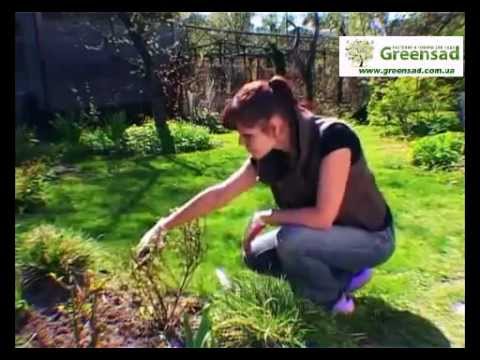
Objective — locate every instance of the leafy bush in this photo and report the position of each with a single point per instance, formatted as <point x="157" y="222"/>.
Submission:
<point x="188" y="137"/>
<point x="258" y="311"/>
<point x="143" y="139"/>
<point x="30" y="185"/>
<point x="427" y="123"/>
<point x="97" y="141"/>
<point x="439" y="151"/>
<point x="51" y="250"/>
<point x="412" y="107"/>
<point x="393" y="105"/>
<point x="25" y="141"/>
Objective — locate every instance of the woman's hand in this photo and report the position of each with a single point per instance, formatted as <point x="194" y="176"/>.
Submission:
<point x="257" y="223"/>
<point x="152" y="240"/>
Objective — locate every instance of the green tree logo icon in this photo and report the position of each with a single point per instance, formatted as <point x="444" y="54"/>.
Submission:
<point x="359" y="51"/>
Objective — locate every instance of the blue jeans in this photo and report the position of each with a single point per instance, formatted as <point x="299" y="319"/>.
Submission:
<point x="319" y="264"/>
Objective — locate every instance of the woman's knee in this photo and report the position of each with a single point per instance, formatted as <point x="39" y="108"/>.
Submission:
<point x="263" y="263"/>
<point x="288" y="245"/>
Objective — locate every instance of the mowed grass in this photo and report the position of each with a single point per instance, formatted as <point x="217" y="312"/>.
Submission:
<point x="408" y="303"/>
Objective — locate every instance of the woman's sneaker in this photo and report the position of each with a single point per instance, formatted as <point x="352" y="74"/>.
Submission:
<point x="360" y="279"/>
<point x="344" y="305"/>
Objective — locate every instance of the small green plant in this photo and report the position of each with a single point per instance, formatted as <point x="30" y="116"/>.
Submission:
<point x="97" y="141"/>
<point x="163" y="279"/>
<point x="67" y="258"/>
<point x="202" y="337"/>
<point x="441" y="151"/>
<point x="48" y="250"/>
<point x="258" y="312"/>
<point x="30" y="186"/>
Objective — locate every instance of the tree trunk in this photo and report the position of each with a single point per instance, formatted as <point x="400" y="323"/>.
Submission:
<point x="160" y="115"/>
<point x="339" y="90"/>
<point x="309" y="77"/>
<point x="278" y="59"/>
<point x="342" y="31"/>
<point x="157" y="94"/>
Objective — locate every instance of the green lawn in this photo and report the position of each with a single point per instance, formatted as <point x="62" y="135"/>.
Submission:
<point x="411" y="296"/>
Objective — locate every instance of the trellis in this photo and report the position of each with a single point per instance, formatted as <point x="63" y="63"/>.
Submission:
<point x="224" y="62"/>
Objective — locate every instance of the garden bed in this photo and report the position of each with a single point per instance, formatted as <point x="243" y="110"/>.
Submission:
<point x="118" y="319"/>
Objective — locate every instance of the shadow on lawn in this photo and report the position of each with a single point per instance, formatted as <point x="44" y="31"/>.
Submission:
<point x="133" y="195"/>
<point x="149" y="176"/>
<point x="191" y="166"/>
<point x="220" y="170"/>
<point x="381" y="325"/>
<point x="134" y="184"/>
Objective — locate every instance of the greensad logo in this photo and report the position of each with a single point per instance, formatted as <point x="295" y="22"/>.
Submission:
<point x="424" y="53"/>
<point x="359" y="52"/>
<point x="395" y="56"/>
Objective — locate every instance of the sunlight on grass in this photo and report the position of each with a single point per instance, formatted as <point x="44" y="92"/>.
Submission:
<point x="117" y="206"/>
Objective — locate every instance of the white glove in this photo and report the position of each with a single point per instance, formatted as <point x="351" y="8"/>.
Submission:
<point x="152" y="240"/>
<point x="255" y="226"/>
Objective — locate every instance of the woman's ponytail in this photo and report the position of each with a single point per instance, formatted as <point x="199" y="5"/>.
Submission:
<point x="282" y="90"/>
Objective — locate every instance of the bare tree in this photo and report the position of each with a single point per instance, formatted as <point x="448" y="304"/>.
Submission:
<point x="139" y="27"/>
<point x="306" y="65"/>
<point x="147" y="33"/>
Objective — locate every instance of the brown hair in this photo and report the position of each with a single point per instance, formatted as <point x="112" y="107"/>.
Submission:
<point x="257" y="101"/>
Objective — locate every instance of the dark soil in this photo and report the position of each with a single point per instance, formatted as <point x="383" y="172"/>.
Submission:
<point x="118" y="321"/>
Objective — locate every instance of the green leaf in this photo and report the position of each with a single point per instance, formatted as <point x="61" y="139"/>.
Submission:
<point x="203" y="331"/>
<point x="189" y="342"/>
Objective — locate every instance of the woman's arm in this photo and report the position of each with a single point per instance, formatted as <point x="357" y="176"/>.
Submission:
<point x="213" y="197"/>
<point x="334" y="171"/>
